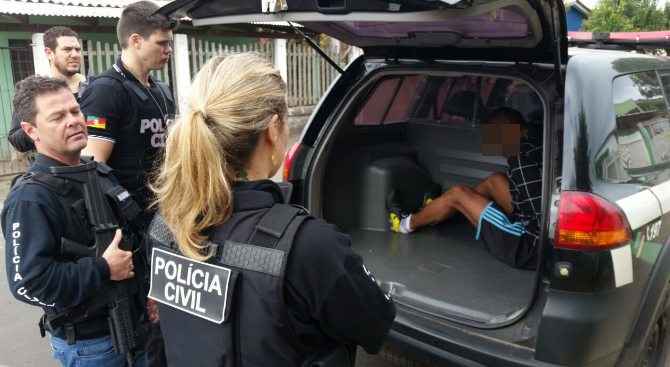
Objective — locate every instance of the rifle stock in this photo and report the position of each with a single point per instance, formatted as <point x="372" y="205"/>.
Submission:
<point x="122" y="317"/>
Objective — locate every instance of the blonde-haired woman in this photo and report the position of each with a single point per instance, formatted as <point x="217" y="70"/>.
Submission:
<point x="240" y="279"/>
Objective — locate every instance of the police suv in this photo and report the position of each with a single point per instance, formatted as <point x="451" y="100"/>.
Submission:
<point x="409" y="112"/>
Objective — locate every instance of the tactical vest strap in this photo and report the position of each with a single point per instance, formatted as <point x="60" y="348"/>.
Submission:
<point x="254" y="258"/>
<point x="44" y="179"/>
<point x="100" y="166"/>
<point x="229" y="253"/>
<point x="160" y="231"/>
<point x="259" y="255"/>
<point x="272" y="225"/>
<point x="104" y="168"/>
<point x="130" y="86"/>
<point x="166" y="90"/>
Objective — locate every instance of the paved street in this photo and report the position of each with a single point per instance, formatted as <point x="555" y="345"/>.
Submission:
<point x="21" y="343"/>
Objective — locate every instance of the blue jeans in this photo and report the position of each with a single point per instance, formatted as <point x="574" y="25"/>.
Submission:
<point x="97" y="352"/>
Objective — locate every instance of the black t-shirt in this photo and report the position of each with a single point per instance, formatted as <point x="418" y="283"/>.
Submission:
<point x="135" y="126"/>
<point x="18" y="138"/>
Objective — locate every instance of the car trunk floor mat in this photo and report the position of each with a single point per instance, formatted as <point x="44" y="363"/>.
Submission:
<point x="444" y="269"/>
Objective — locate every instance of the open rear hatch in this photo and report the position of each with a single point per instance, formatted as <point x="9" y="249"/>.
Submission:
<point x="492" y="30"/>
<point x="532" y="31"/>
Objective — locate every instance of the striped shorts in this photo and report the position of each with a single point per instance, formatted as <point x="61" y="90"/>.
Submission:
<point x="505" y="240"/>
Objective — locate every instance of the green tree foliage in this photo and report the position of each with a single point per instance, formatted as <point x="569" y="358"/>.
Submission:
<point x="628" y="16"/>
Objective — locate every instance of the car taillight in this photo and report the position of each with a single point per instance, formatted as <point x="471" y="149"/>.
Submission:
<point x="288" y="160"/>
<point x="589" y="222"/>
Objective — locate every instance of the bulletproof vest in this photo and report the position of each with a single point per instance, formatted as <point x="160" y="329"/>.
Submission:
<point x="137" y="93"/>
<point x="252" y="328"/>
<point x="147" y="123"/>
<point x="79" y="230"/>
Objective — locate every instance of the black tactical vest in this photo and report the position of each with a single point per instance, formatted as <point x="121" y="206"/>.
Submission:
<point x="256" y="330"/>
<point x="84" y="318"/>
<point x="72" y="201"/>
<point x="147" y="135"/>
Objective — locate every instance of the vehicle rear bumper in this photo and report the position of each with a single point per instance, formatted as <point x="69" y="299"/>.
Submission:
<point x="580" y="328"/>
<point x="443" y="343"/>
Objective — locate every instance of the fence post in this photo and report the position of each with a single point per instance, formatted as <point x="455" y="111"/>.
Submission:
<point x="40" y="60"/>
<point x="279" y="57"/>
<point x="334" y="49"/>
<point x="182" y="71"/>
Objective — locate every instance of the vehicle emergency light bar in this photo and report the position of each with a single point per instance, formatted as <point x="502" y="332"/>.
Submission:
<point x="620" y="40"/>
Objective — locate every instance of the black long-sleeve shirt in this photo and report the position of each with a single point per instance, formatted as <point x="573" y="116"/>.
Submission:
<point x="327" y="282"/>
<point x="33" y="223"/>
<point x="329" y="293"/>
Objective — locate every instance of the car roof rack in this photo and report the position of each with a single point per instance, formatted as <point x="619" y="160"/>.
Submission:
<point x="620" y="40"/>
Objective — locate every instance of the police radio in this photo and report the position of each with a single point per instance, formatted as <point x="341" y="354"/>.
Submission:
<point x="122" y="317"/>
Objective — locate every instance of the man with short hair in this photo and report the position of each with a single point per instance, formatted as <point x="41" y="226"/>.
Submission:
<point x="126" y="109"/>
<point x="127" y="113"/>
<point x="62" y="48"/>
<point x="42" y="210"/>
<point x="505" y="208"/>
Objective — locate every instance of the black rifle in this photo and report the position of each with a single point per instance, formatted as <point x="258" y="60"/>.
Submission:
<point x="122" y="317"/>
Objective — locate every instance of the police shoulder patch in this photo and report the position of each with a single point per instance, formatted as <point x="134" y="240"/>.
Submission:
<point x="195" y="287"/>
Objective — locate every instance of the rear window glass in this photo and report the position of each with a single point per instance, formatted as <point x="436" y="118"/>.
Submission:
<point x="389" y="101"/>
<point x="642" y="126"/>
<point x="453" y="99"/>
<point x="464" y="100"/>
<point x="407" y="94"/>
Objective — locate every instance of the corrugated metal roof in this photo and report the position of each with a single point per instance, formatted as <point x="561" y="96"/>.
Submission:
<point x="68" y="8"/>
<point x="103" y="3"/>
<point x="82" y="8"/>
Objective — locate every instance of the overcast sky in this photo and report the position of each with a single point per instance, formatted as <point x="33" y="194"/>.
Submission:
<point x="590" y="3"/>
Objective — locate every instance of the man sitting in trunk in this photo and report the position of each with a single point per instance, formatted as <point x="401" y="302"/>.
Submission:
<point x="505" y="209"/>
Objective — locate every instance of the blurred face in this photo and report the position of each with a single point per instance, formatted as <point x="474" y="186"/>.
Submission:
<point x="154" y="52"/>
<point x="60" y="129"/>
<point x="66" y="58"/>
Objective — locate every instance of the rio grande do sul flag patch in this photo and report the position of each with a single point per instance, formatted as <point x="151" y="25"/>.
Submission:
<point x="96" y="122"/>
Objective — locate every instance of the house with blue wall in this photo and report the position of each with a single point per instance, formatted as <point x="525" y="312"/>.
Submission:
<point x="576" y="15"/>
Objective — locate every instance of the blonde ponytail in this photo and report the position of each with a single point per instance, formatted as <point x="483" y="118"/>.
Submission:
<point x="233" y="99"/>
